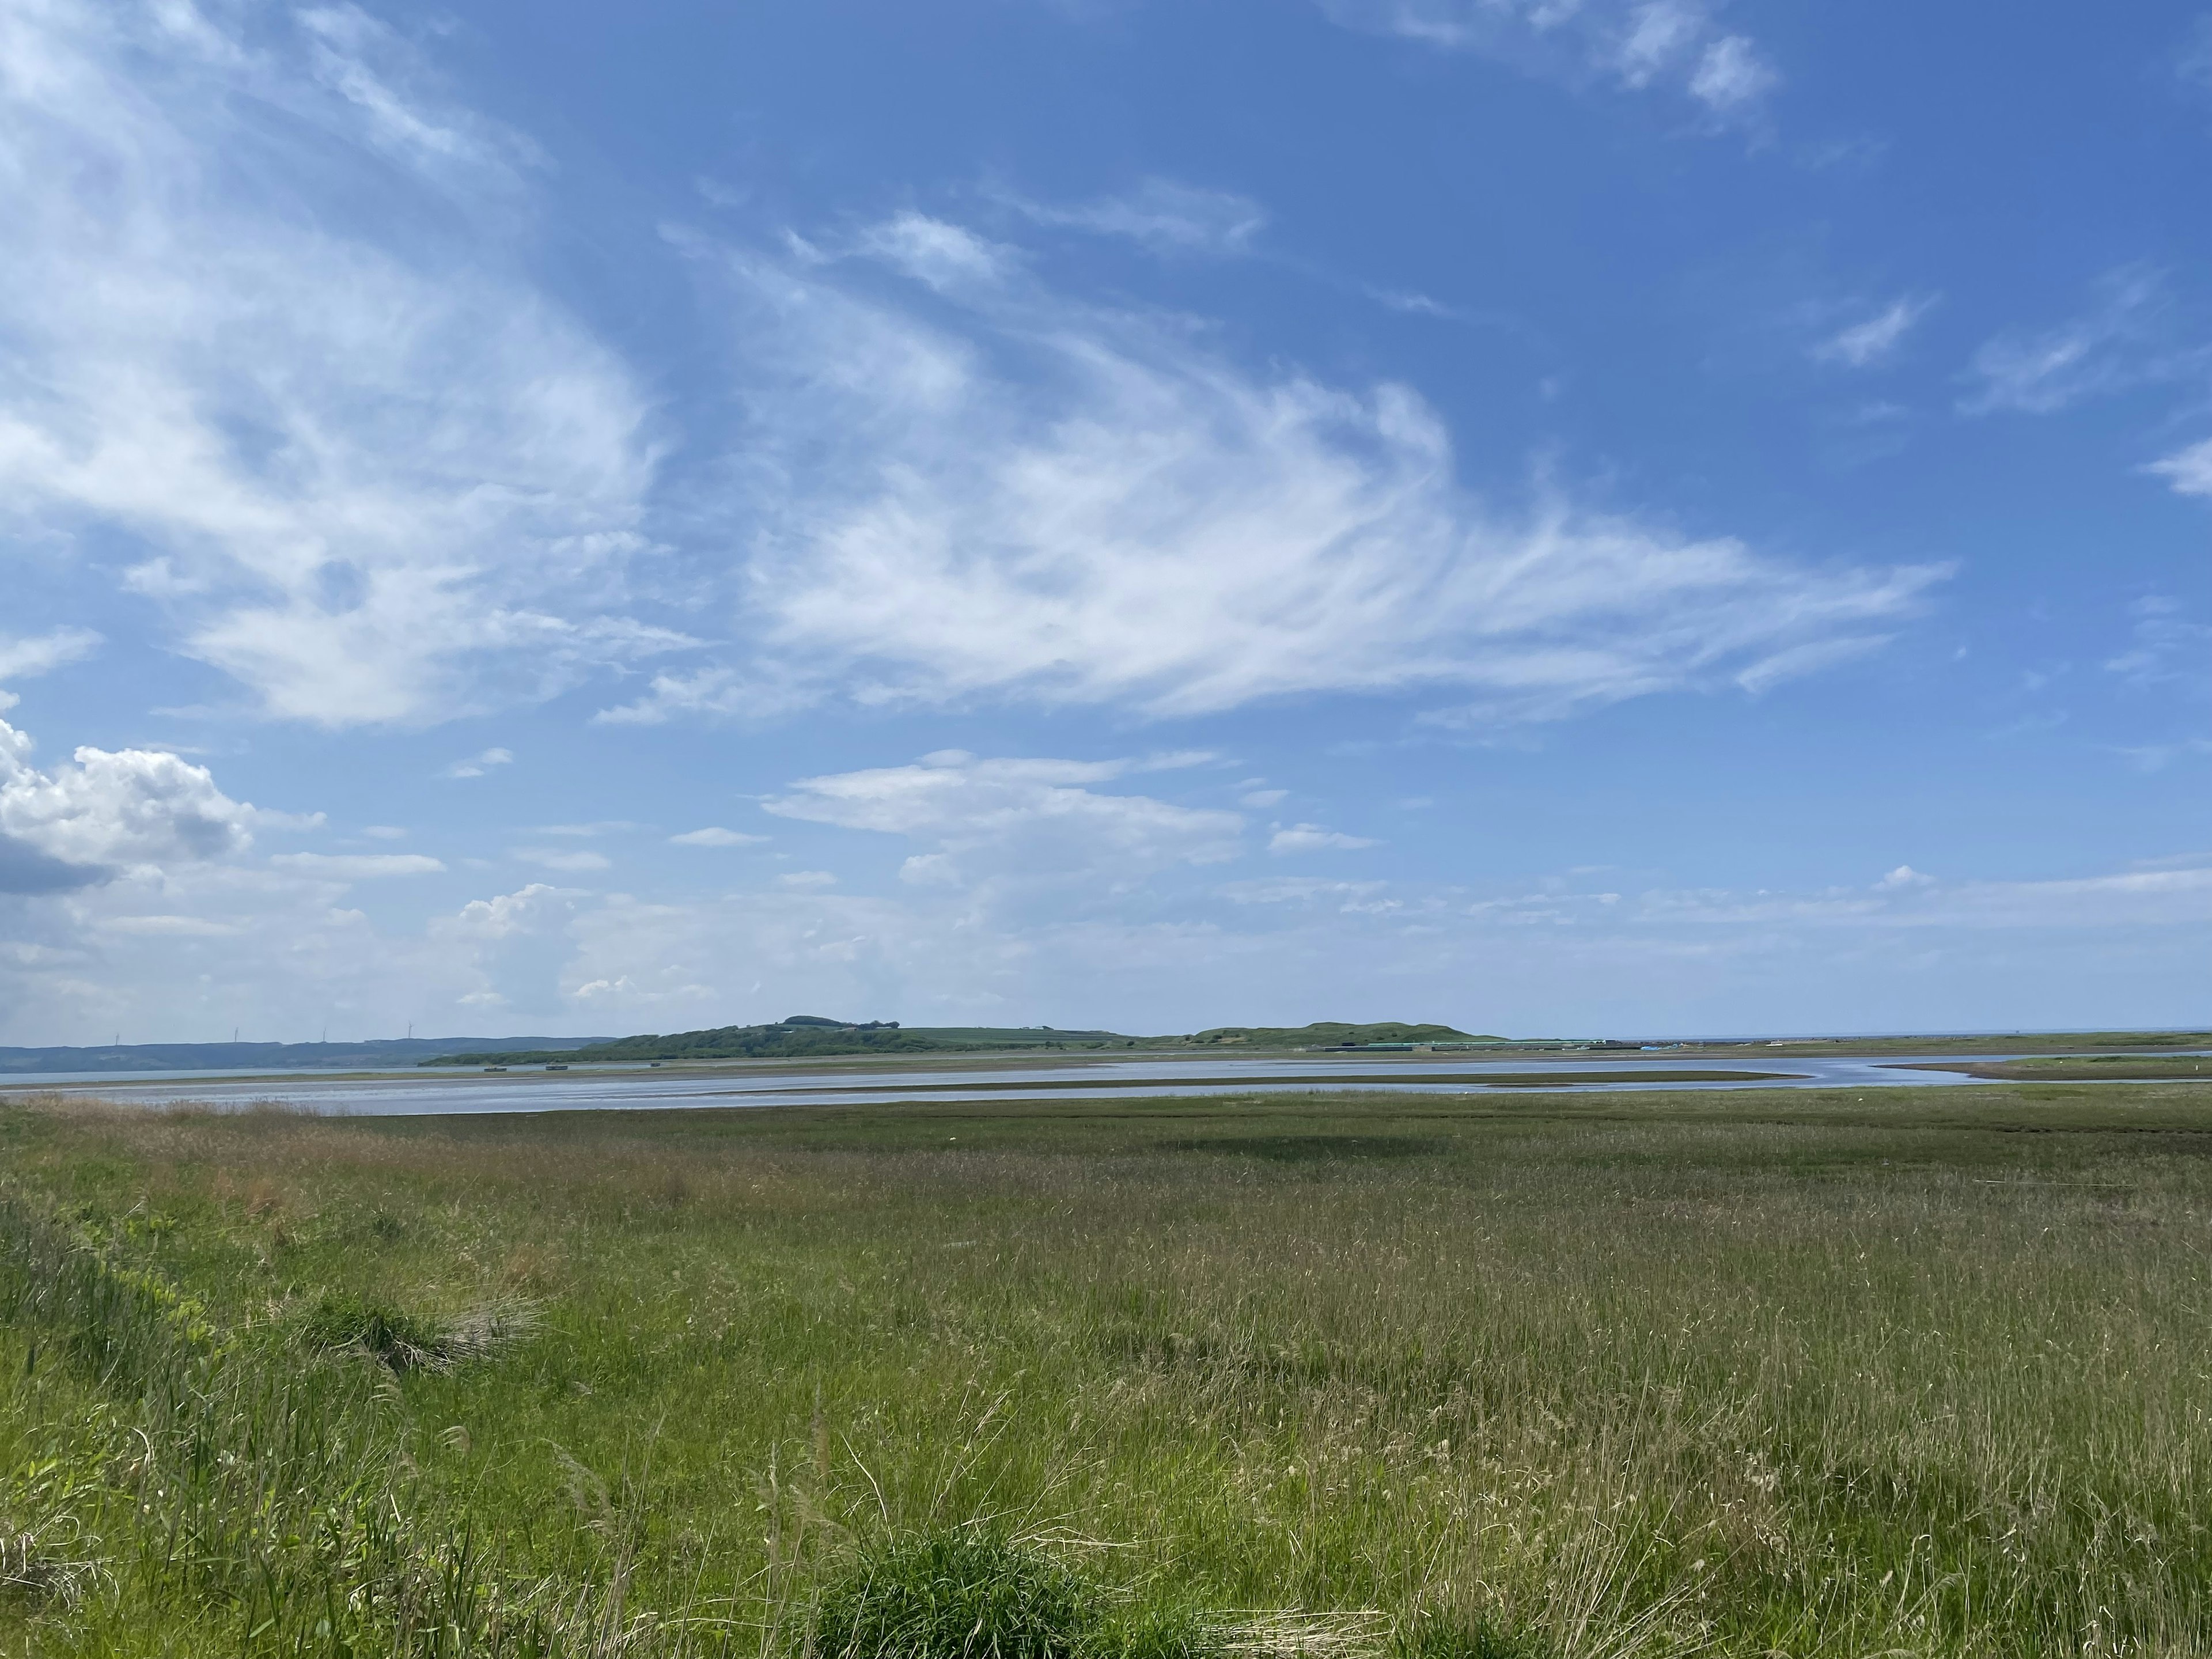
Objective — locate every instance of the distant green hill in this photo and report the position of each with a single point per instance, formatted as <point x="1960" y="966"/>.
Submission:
<point x="1334" y="1034"/>
<point x="267" y="1056"/>
<point x="807" y="1035"/>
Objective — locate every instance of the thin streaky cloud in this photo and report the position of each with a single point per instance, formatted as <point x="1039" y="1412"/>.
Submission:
<point x="2112" y="345"/>
<point x="1020" y="819"/>
<point x="1636" y="44"/>
<point x="2166" y="650"/>
<point x="1164" y="215"/>
<point x="1797" y="662"/>
<point x="357" y="459"/>
<point x="2186" y="472"/>
<point x="25" y="657"/>
<point x="476" y="765"/>
<point x="1314" y="838"/>
<point x="1413" y="304"/>
<point x="570" y="860"/>
<point x="1876" y="339"/>
<point x="715" y="836"/>
<point x="1128" y="518"/>
<point x="357" y="866"/>
<point x="2193" y="62"/>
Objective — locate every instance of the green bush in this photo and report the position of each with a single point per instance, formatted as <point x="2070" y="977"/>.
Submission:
<point x="954" y="1595"/>
<point x="967" y="1594"/>
<point x="343" y="1319"/>
<point x="1479" y="1636"/>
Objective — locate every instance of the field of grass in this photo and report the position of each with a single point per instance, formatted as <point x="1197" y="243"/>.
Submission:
<point x="2088" y="1068"/>
<point x="1912" y="1371"/>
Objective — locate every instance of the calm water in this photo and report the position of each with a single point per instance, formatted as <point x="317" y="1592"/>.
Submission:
<point x="583" y="1089"/>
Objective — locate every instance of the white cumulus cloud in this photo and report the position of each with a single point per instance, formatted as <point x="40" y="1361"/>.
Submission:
<point x="511" y="949"/>
<point x="130" y="806"/>
<point x="1904" y="875"/>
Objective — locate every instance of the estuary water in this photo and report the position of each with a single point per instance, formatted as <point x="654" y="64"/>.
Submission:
<point x="599" y="1088"/>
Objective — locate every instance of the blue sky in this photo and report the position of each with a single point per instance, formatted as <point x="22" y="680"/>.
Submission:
<point x="1579" y="518"/>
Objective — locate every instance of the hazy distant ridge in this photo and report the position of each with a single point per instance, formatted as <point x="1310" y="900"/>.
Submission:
<point x="258" y="1056"/>
<point x="806" y="1035"/>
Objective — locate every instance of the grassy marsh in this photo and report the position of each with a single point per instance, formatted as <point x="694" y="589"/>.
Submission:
<point x="2086" y="1068"/>
<point x="1738" y="1373"/>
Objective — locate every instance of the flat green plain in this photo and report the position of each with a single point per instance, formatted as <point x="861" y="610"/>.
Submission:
<point x="1905" y="1370"/>
<point x="2084" y="1069"/>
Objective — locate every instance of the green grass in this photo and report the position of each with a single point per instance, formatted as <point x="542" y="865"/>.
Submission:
<point x="2087" y="1068"/>
<point x="1524" y="1376"/>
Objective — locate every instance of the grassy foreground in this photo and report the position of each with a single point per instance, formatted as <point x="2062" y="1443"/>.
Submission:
<point x="1918" y="1372"/>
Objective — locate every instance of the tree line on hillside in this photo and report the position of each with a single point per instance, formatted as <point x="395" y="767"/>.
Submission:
<point x="806" y="1036"/>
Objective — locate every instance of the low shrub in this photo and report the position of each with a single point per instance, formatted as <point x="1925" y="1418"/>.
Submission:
<point x="1477" y="1636"/>
<point x="965" y="1593"/>
<point x="956" y="1594"/>
<point x="338" y="1320"/>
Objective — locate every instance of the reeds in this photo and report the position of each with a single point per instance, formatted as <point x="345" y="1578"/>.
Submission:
<point x="1730" y="1376"/>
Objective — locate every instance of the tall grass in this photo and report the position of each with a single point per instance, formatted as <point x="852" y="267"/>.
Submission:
<point x="260" y="1497"/>
<point x="1730" y="1374"/>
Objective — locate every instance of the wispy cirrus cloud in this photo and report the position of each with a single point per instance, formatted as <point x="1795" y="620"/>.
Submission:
<point x="1679" y="46"/>
<point x="272" y="334"/>
<point x="376" y="475"/>
<point x="1314" y="838"/>
<point x="982" y="819"/>
<point x="1017" y="494"/>
<point x="24" y="656"/>
<point x="1164" y="215"/>
<point x="2186" y="472"/>
<point x="2167" y="650"/>
<point x="1873" y="340"/>
<point x="357" y="866"/>
<point x="2192" y="61"/>
<point x="2116" y="342"/>
<point x="570" y="860"/>
<point x="715" y="836"/>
